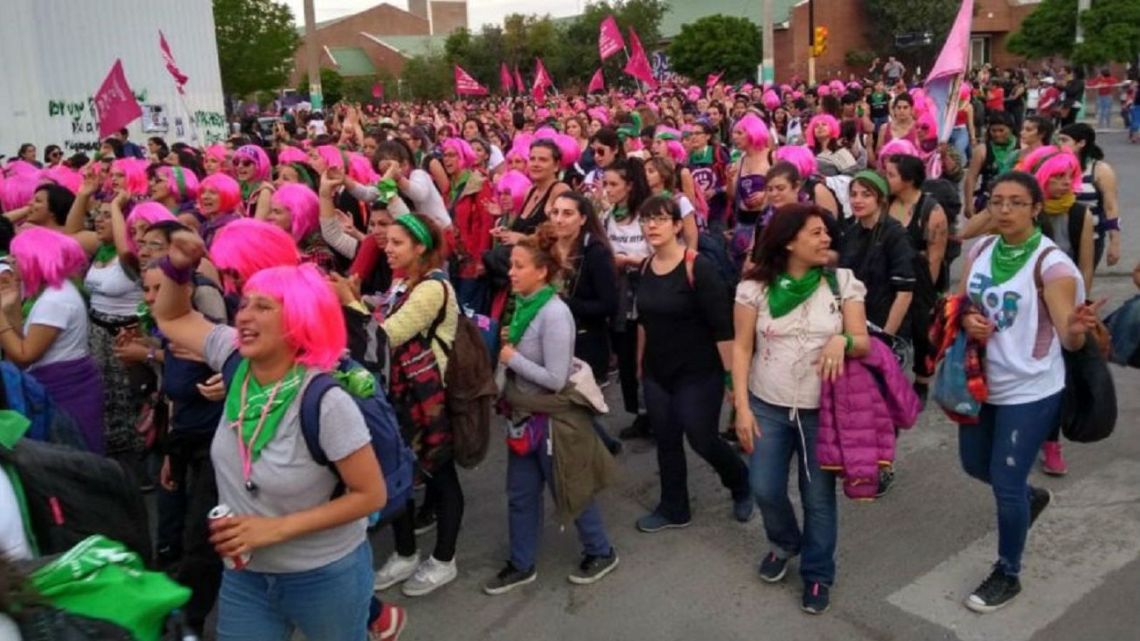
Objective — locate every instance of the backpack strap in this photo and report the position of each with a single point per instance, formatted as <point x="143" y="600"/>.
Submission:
<point x="434" y="328"/>
<point x="690" y="260"/>
<point x="311" y="416"/>
<point x="230" y="367"/>
<point x="1038" y="280"/>
<point x="1077" y="229"/>
<point x="832" y="279"/>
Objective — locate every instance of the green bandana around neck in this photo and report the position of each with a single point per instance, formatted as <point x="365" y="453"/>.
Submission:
<point x="619" y="213"/>
<point x="702" y="157"/>
<point x="1007" y="260"/>
<point x="256" y="404"/>
<point x="458" y="185"/>
<point x="105" y="254"/>
<point x="247" y="189"/>
<point x="526" y="308"/>
<point x="1004" y="155"/>
<point x="787" y="293"/>
<point x="388" y="189"/>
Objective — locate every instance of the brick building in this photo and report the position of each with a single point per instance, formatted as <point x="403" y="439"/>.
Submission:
<point x="994" y="21"/>
<point x="382" y="37"/>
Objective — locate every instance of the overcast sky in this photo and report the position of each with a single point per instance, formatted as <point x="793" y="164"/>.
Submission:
<point x="478" y="11"/>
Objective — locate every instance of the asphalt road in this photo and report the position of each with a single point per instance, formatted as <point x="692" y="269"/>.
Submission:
<point x="905" y="562"/>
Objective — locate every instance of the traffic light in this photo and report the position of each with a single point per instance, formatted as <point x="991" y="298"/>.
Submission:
<point x="820" y="45"/>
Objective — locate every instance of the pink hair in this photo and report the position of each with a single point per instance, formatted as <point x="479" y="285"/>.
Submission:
<point x="823" y="90"/>
<point x="228" y="190"/>
<point x="149" y="212"/>
<point x="827" y="119"/>
<point x="17" y="191"/>
<point x="290" y="154"/>
<point x="676" y="151"/>
<point x="897" y="147"/>
<point x="836" y="86"/>
<point x="693" y="93"/>
<point x="248" y="246"/>
<point x="303" y="208"/>
<point x="134" y="170"/>
<point x="360" y="169"/>
<point x="261" y="165"/>
<point x="964" y="91"/>
<point x="755" y="131"/>
<point x="220" y="153"/>
<point x="1047" y="162"/>
<point x="518" y="184"/>
<point x="771" y="100"/>
<point x="310" y="312"/>
<point x="332" y="155"/>
<point x="599" y="114"/>
<point x="21" y="168"/>
<point x="545" y="133"/>
<point x="186" y="189"/>
<point x="46" y="258"/>
<point x="569" y="148"/>
<point x="800" y="156"/>
<point x="462" y="149"/>
<point x="63" y="176"/>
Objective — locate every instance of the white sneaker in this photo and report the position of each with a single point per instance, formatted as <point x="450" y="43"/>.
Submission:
<point x="429" y="576"/>
<point x="396" y="569"/>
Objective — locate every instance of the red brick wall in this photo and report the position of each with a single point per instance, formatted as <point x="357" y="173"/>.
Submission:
<point x="845" y="24"/>
<point x="381" y="19"/>
<point x="448" y="16"/>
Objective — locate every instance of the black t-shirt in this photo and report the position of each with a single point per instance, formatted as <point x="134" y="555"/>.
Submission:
<point x="683" y="322"/>
<point x="882" y="259"/>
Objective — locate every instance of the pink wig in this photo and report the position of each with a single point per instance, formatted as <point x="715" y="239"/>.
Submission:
<point x="517" y="184"/>
<point x="302" y="205"/>
<point x="771" y="100"/>
<point x="63" y="176"/>
<point x="965" y="91"/>
<point x="897" y="147"/>
<point x="755" y="131"/>
<point x="310" y="312"/>
<point x="46" y="258"/>
<point x="545" y="133"/>
<point x="360" y="169"/>
<point x="599" y="114"/>
<point x="1047" y="162"/>
<point x="248" y="245"/>
<point x="218" y="152"/>
<point x="149" y="212"/>
<point x="569" y="148"/>
<point x="260" y="159"/>
<point x="800" y="156"/>
<point x="17" y="191"/>
<point x="926" y="121"/>
<point x="836" y="86"/>
<point x="332" y="156"/>
<point x="823" y="90"/>
<point x="827" y="119"/>
<point x="693" y="93"/>
<point x="290" y="154"/>
<point x="21" y="168"/>
<point x="228" y="190"/>
<point x="134" y="170"/>
<point x="463" y="150"/>
<point x="183" y="183"/>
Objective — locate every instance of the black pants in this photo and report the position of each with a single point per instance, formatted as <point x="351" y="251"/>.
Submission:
<point x="689" y="408"/>
<point x="625" y="346"/>
<point x="447" y="498"/>
<point x="201" y="569"/>
<point x="593" y="346"/>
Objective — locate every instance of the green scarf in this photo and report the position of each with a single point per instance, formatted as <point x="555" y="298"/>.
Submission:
<point x="458" y="184"/>
<point x="787" y="293"/>
<point x="1006" y="260"/>
<point x="255" y="404"/>
<point x="619" y="213"/>
<point x="247" y="189"/>
<point x="702" y="157"/>
<point x="146" y="319"/>
<point x="1004" y="155"/>
<point x="526" y="308"/>
<point x="105" y="254"/>
<point x="388" y="190"/>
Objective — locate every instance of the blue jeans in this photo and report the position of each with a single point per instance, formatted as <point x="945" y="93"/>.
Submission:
<point x="1000" y="451"/>
<point x="526" y="476"/>
<point x="960" y="140"/>
<point x="1104" y="111"/>
<point x="330" y="603"/>
<point x="768" y="475"/>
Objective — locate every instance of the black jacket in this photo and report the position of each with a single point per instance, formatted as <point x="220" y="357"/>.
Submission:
<point x="882" y="258"/>
<point x="591" y="289"/>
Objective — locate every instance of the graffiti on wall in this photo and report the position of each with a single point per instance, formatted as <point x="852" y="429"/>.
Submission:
<point x="81" y="131"/>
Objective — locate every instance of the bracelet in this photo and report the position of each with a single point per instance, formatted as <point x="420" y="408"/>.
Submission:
<point x="848" y="342"/>
<point x="728" y="380"/>
<point x="180" y="275"/>
<point x="1110" y="224"/>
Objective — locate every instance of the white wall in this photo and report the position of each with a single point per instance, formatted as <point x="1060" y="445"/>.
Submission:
<point x="54" y="54"/>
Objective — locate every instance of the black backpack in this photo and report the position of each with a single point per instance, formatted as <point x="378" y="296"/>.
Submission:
<point x="944" y="193"/>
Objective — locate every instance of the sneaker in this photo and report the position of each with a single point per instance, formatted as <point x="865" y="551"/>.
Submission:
<point x="389" y="625"/>
<point x="817" y="598"/>
<point x="425" y="521"/>
<point x="773" y="568"/>
<point x="639" y="429"/>
<point x="886" y="480"/>
<point x="431" y="575"/>
<point x="593" y="568"/>
<point x="508" y="579"/>
<point x="743" y="508"/>
<point x="995" y="592"/>
<point x="1039" y="499"/>
<point x="395" y="570"/>
<point x="654" y="522"/>
<point x="1053" y="462"/>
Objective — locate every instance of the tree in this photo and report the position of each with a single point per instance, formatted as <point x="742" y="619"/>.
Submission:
<point x="1116" y="28"/>
<point x="332" y="86"/>
<point x="890" y="18"/>
<point x="1049" y="31"/>
<point x="428" y="77"/>
<point x="716" y="43"/>
<point x="256" y="42"/>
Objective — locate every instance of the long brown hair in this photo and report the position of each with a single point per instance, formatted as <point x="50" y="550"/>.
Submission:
<point x="542" y="247"/>
<point x="770" y="255"/>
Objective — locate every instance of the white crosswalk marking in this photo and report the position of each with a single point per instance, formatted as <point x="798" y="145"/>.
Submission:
<point x="1091" y="530"/>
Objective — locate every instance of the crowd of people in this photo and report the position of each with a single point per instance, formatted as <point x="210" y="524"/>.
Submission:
<point x="798" y="239"/>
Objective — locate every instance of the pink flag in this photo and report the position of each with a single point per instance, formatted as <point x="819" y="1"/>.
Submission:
<point x="168" y="57"/>
<point x="115" y="102"/>
<point x="378" y="91"/>
<point x="638" y="64"/>
<point x="949" y="70"/>
<point x="609" y="38"/>
<point x="519" y="84"/>
<point x="713" y="79"/>
<point x="465" y="85"/>
<point x="597" y="83"/>
<point x="541" y="81"/>
<point x="506" y="83"/>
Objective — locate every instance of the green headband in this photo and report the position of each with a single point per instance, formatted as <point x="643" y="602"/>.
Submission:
<point x="303" y="174"/>
<point x="417" y="229"/>
<point x="180" y="179"/>
<point x="875" y="179"/>
<point x="628" y="131"/>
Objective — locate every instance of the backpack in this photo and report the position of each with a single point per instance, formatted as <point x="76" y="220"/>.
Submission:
<point x="22" y="393"/>
<point x="942" y="192"/>
<point x="68" y="495"/>
<point x="712" y="246"/>
<point x="397" y="461"/>
<point x="470" y="390"/>
<point x="809" y="188"/>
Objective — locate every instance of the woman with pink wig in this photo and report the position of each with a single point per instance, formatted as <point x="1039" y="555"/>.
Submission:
<point x="247" y="246"/>
<point x="128" y="234"/>
<point x="823" y="139"/>
<point x="129" y="175"/>
<point x="286" y="338"/>
<point x="219" y="203"/>
<point x="50" y="339"/>
<point x="252" y="169"/>
<point x="175" y="188"/>
<point x="745" y="183"/>
<point x="814" y="187"/>
<point x="217" y="160"/>
<point x="294" y="208"/>
<point x="470" y="193"/>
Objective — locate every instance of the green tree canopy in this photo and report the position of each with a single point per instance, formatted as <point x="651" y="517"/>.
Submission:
<point x="428" y="77"/>
<point x="256" y="42"/>
<point x="716" y="43"/>
<point x="1048" y="31"/>
<point x="1111" y="28"/>
<point x="889" y="18"/>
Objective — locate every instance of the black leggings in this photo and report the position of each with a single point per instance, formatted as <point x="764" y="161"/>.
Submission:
<point x="625" y="346"/>
<point x="447" y="498"/>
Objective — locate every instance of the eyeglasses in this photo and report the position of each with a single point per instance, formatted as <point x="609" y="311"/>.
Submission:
<point x="245" y="163"/>
<point x="153" y="246"/>
<point x="55" y="154"/>
<point x="653" y="221"/>
<point x="1012" y="205"/>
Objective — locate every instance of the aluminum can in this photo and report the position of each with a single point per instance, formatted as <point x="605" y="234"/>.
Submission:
<point x="223" y="511"/>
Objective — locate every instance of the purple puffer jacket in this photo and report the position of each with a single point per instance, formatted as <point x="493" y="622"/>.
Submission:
<point x="858" y="414"/>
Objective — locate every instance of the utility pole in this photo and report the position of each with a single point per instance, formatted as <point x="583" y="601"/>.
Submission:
<point x="1082" y="6"/>
<point x="811" y="42"/>
<point x="312" y="56"/>
<point x="768" y="57"/>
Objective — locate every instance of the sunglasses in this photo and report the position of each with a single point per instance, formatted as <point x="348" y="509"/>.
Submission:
<point x="245" y="163"/>
<point x="55" y="154"/>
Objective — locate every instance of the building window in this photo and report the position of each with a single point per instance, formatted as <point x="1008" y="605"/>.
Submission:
<point x="979" y="50"/>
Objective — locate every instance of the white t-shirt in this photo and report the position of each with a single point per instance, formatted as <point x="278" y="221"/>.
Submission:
<point x="13" y="542"/>
<point x="426" y="199"/>
<point x="112" y="290"/>
<point x="494" y="158"/>
<point x="62" y="308"/>
<point x="685" y="205"/>
<point x="1023" y="357"/>
<point x="627" y="239"/>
